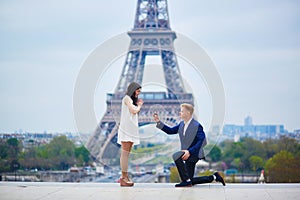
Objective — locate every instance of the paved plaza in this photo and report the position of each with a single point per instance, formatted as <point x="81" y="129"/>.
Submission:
<point x="144" y="191"/>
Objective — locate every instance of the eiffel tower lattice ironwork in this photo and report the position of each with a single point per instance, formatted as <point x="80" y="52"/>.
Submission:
<point x="151" y="35"/>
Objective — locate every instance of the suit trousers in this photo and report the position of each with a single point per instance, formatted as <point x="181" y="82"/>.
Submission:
<point x="186" y="169"/>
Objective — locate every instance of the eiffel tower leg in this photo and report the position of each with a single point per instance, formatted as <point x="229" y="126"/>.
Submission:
<point x="172" y="73"/>
<point x="111" y="139"/>
<point x="132" y="70"/>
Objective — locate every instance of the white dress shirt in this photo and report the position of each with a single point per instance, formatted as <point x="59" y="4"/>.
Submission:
<point x="186" y="126"/>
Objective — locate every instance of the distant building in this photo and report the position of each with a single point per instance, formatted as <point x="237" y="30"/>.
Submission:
<point x="259" y="132"/>
<point x="295" y="135"/>
<point x="248" y="121"/>
<point x="36" y="139"/>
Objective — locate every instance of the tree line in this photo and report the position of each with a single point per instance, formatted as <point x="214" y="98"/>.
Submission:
<point x="59" y="154"/>
<point x="280" y="158"/>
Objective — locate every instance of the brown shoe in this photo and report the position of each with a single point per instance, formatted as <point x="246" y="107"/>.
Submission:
<point x="125" y="182"/>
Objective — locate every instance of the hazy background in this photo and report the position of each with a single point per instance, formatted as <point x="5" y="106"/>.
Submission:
<point x="255" y="46"/>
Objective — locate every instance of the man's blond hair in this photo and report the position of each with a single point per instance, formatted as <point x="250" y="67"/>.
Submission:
<point x="188" y="107"/>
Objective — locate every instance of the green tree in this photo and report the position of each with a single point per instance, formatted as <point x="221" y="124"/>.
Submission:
<point x="82" y="154"/>
<point x="252" y="148"/>
<point x="215" y="154"/>
<point x="4" y="164"/>
<point x="9" y="152"/>
<point x="256" y="162"/>
<point x="283" y="167"/>
<point x="233" y="152"/>
<point x="237" y="163"/>
<point x="271" y="148"/>
<point x="62" y="152"/>
<point x="13" y="148"/>
<point x="28" y="159"/>
<point x="289" y="144"/>
<point x="36" y="157"/>
<point x="3" y="149"/>
<point x="274" y="146"/>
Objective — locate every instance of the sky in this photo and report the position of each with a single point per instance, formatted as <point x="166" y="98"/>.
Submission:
<point x="255" y="46"/>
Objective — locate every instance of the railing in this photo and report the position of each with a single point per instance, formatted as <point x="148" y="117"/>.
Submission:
<point x="154" y="96"/>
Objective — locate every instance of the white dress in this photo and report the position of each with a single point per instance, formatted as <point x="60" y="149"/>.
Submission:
<point x="129" y="128"/>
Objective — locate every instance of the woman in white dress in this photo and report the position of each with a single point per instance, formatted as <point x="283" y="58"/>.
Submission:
<point x="128" y="133"/>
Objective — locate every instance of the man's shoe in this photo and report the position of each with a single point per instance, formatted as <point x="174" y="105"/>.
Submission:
<point x="219" y="178"/>
<point x="184" y="184"/>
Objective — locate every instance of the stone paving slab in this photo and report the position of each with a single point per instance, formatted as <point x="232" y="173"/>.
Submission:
<point x="144" y="191"/>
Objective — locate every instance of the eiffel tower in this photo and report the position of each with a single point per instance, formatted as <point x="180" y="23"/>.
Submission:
<point x="153" y="36"/>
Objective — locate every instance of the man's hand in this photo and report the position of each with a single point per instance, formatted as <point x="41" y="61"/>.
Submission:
<point x="186" y="154"/>
<point x="155" y="117"/>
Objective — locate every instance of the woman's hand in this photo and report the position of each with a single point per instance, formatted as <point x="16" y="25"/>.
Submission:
<point x="140" y="102"/>
<point x="155" y="117"/>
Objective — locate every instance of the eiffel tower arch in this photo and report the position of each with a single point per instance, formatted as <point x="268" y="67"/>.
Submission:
<point x="150" y="36"/>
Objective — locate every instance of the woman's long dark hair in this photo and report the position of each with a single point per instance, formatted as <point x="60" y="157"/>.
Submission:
<point x="134" y="99"/>
<point x="131" y="91"/>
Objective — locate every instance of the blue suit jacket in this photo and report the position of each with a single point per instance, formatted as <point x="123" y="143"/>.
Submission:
<point x="194" y="139"/>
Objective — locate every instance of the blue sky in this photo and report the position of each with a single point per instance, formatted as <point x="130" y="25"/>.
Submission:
<point x="255" y="46"/>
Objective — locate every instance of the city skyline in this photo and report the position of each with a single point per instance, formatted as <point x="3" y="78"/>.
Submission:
<point x="255" y="47"/>
<point x="246" y="121"/>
